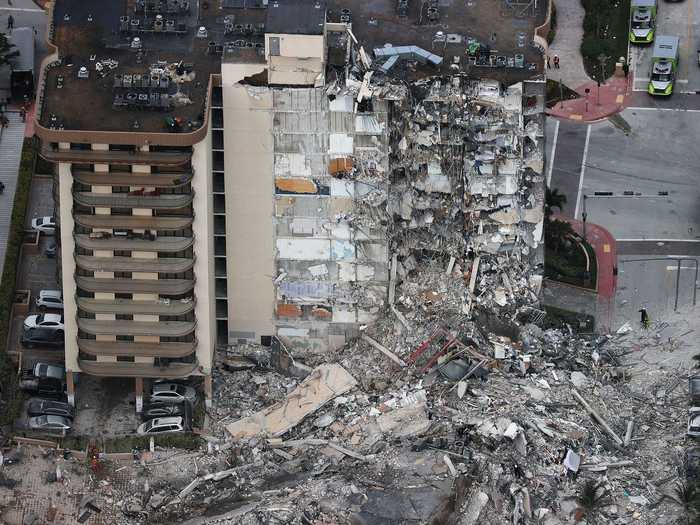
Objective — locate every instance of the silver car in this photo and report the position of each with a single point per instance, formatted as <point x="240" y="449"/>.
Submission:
<point x="52" y="299"/>
<point x="173" y="393"/>
<point x="51" y="424"/>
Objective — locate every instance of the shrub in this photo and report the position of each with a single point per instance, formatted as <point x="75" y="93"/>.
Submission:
<point x="552" y="25"/>
<point x="12" y="396"/>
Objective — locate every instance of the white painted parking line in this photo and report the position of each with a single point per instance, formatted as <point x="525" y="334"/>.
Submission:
<point x="554" y="152"/>
<point x="657" y="240"/>
<point x="583" y="170"/>
<point x="662" y="109"/>
<point x="674" y="268"/>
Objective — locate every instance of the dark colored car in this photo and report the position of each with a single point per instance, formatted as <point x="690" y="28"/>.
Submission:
<point x="46" y="407"/>
<point x="44" y="387"/>
<point x="51" y="250"/>
<point x="165" y="409"/>
<point x="42" y="337"/>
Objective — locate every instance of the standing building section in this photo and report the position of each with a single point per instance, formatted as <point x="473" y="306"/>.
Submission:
<point x="122" y="112"/>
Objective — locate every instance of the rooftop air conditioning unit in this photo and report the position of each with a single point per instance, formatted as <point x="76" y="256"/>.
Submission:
<point x="83" y="72"/>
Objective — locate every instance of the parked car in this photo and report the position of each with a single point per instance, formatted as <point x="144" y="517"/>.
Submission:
<point x="45" y="225"/>
<point x="44" y="387"/>
<point x="50" y="423"/>
<point x="52" y="299"/>
<point x="173" y="393"/>
<point x="50" y="250"/>
<point x="692" y="463"/>
<point x="166" y="409"/>
<point x="694" y="422"/>
<point x="46" y="407"/>
<point x="694" y="388"/>
<point x="52" y="321"/>
<point x="49" y="370"/>
<point x="161" y="425"/>
<point x="42" y="337"/>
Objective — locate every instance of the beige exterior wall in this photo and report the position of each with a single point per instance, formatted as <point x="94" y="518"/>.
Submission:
<point x="248" y="143"/>
<point x="301" y="59"/>
<point x="70" y="309"/>
<point x="203" y="228"/>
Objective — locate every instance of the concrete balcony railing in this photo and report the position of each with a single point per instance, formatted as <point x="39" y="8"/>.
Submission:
<point x="129" y="307"/>
<point x="134" y="222"/>
<point x="125" y="200"/>
<point x="155" y="286"/>
<point x="133" y="264"/>
<point x="160" y="244"/>
<point x="90" y="156"/>
<point x="158" y="328"/>
<point x="129" y="348"/>
<point x="118" y="178"/>
<point x="122" y="369"/>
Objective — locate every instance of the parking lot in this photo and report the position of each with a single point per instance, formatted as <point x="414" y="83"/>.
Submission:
<point x="673" y="19"/>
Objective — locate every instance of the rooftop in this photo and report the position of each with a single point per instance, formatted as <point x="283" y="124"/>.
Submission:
<point x="300" y="17"/>
<point x="143" y="64"/>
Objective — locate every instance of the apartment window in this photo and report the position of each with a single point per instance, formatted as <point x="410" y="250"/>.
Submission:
<point x="125" y="359"/>
<point x="274" y="43"/>
<point x="122" y="296"/>
<point x="126" y="338"/>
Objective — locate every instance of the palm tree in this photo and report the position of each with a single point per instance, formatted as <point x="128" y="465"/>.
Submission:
<point x="555" y="233"/>
<point x="553" y="199"/>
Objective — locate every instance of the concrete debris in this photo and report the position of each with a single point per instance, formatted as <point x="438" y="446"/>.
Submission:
<point x="321" y="386"/>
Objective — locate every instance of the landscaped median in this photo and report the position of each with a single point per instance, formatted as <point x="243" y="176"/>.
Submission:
<point x="12" y="397"/>
<point x="569" y="258"/>
<point x="605" y="34"/>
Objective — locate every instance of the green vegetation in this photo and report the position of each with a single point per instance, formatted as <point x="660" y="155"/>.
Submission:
<point x="605" y="34"/>
<point x="552" y="25"/>
<point x="188" y="441"/>
<point x="12" y="396"/>
<point x="568" y="258"/>
<point x="6" y="51"/>
<point x="557" y="92"/>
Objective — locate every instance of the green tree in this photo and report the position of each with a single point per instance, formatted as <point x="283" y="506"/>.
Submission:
<point x="555" y="234"/>
<point x="6" y="50"/>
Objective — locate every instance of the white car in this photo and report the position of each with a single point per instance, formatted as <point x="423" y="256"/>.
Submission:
<point x="694" y="422"/>
<point x="45" y="225"/>
<point x="48" y="370"/>
<point x="173" y="393"/>
<point x="53" y="321"/>
<point x="52" y="299"/>
<point x="161" y="425"/>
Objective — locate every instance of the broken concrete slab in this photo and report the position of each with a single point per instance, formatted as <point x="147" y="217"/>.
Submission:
<point x="405" y="422"/>
<point x="322" y="385"/>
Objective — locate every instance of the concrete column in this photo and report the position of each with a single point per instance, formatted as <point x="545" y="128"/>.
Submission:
<point x="207" y="391"/>
<point x="70" y="387"/>
<point x="139" y="394"/>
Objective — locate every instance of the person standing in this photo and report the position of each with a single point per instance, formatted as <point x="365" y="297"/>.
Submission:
<point x="547" y="63"/>
<point x="556" y="61"/>
<point x="10" y="22"/>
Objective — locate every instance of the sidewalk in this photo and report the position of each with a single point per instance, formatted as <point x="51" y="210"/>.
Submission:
<point x="10" y="154"/>
<point x="567" y="44"/>
<point x="605" y="248"/>
<point x="613" y="97"/>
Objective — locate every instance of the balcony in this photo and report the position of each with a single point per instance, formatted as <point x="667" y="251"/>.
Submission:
<point x="121" y="369"/>
<point x="88" y="156"/>
<point x="158" y="328"/>
<point x="125" y="200"/>
<point x="157" y="286"/>
<point x="118" y="178"/>
<point x="133" y="264"/>
<point x="128" y="348"/>
<point x="127" y="306"/>
<point x="160" y="244"/>
<point x="134" y="222"/>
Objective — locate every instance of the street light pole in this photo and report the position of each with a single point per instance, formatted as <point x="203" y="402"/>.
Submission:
<point x="584" y="215"/>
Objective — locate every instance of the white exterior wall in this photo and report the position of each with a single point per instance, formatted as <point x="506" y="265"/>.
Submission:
<point x="203" y="229"/>
<point x="70" y="309"/>
<point x="301" y="59"/>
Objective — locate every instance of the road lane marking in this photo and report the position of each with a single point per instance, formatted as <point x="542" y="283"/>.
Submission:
<point x="674" y="268"/>
<point x="554" y="152"/>
<point x="23" y="10"/>
<point x="583" y="170"/>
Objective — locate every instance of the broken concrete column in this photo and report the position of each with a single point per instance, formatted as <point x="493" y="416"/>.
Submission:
<point x="138" y="388"/>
